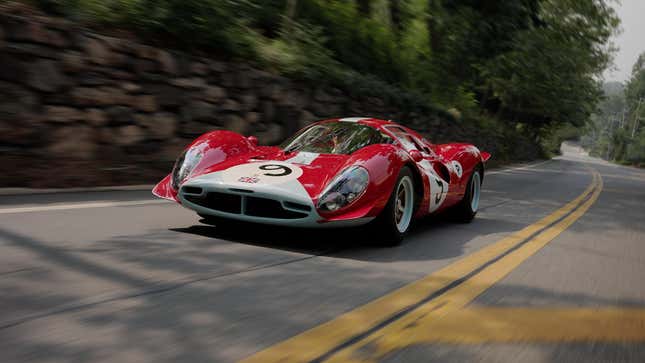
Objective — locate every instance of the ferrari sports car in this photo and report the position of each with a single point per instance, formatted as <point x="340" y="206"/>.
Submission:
<point x="338" y="172"/>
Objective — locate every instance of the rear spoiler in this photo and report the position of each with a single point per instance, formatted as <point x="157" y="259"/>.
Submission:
<point x="485" y="156"/>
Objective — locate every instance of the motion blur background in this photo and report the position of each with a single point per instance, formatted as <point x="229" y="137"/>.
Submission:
<point x="109" y="92"/>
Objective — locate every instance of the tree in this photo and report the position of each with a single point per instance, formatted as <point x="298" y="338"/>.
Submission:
<point x="635" y="98"/>
<point x="635" y="93"/>
<point x="549" y="75"/>
<point x="615" y="132"/>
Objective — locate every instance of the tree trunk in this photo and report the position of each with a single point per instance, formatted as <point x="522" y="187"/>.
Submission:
<point x="395" y="15"/>
<point x="289" y="15"/>
<point x="434" y="7"/>
<point x="364" y="7"/>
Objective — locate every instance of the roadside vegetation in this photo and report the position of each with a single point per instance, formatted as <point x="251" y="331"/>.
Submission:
<point x="616" y="132"/>
<point x="531" y="66"/>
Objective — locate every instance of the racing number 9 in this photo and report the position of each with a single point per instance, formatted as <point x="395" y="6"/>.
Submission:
<point x="270" y="167"/>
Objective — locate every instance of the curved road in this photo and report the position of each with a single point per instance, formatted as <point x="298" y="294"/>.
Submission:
<point x="552" y="269"/>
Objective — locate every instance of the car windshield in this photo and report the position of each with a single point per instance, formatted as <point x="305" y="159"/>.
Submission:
<point x="334" y="138"/>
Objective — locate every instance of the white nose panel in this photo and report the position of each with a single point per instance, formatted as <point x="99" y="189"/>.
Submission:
<point x="264" y="173"/>
<point x="269" y="178"/>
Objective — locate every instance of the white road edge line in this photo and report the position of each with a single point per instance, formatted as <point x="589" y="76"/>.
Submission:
<point x="113" y="188"/>
<point x="523" y="167"/>
<point x="68" y="206"/>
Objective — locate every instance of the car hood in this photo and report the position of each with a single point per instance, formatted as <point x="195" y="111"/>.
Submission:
<point x="270" y="168"/>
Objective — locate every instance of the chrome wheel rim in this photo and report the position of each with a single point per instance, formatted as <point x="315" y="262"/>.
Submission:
<point x="403" y="204"/>
<point x="475" y="189"/>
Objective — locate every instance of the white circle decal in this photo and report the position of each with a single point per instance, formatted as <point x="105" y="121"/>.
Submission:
<point x="268" y="172"/>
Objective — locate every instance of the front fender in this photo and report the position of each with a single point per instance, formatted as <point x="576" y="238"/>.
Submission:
<point x="216" y="147"/>
<point x="383" y="163"/>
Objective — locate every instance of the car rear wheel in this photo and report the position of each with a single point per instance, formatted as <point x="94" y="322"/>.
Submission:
<point x="466" y="210"/>
<point x="394" y="221"/>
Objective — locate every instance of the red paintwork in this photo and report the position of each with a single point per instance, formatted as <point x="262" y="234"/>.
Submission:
<point x="224" y="149"/>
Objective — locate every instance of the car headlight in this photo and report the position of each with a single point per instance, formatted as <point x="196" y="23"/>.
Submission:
<point x="344" y="189"/>
<point x="185" y="164"/>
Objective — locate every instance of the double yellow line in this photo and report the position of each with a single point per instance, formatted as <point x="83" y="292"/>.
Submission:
<point x="387" y="323"/>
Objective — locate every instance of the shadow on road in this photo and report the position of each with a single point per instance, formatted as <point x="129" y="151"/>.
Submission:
<point x="298" y="240"/>
<point x="447" y="237"/>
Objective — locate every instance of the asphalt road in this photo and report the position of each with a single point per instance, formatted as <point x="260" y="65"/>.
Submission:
<point x="552" y="269"/>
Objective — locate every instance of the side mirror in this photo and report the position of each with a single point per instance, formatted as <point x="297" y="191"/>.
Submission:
<point x="416" y="155"/>
<point x="253" y="140"/>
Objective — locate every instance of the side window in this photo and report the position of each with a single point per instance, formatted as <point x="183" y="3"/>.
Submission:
<point x="408" y="141"/>
<point x="401" y="136"/>
<point x="422" y="146"/>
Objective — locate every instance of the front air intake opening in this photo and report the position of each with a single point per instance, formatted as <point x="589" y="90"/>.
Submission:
<point x="298" y="206"/>
<point x="223" y="202"/>
<point x="191" y="190"/>
<point x="269" y="208"/>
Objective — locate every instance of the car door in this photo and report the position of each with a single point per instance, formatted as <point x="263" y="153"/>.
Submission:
<point x="438" y="185"/>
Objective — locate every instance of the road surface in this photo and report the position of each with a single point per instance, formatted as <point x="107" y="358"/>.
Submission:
<point x="552" y="269"/>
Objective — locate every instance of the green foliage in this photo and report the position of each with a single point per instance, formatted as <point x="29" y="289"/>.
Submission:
<point x="635" y="150"/>
<point x="299" y="52"/>
<point x="362" y="43"/>
<point x="190" y="24"/>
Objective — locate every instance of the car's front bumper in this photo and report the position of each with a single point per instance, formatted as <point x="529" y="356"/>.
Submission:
<point x="257" y="205"/>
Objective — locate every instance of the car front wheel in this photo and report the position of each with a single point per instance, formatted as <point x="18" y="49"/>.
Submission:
<point x="394" y="221"/>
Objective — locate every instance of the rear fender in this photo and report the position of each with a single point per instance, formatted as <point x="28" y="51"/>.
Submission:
<point x="462" y="159"/>
<point x="485" y="156"/>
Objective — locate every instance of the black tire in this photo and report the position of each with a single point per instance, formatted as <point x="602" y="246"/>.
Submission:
<point x="387" y="232"/>
<point x="466" y="210"/>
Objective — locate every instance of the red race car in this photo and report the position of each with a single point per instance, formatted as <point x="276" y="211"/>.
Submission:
<point x="339" y="172"/>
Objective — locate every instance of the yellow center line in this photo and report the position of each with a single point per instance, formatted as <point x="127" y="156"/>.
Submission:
<point x="320" y="341"/>
<point x="476" y="325"/>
